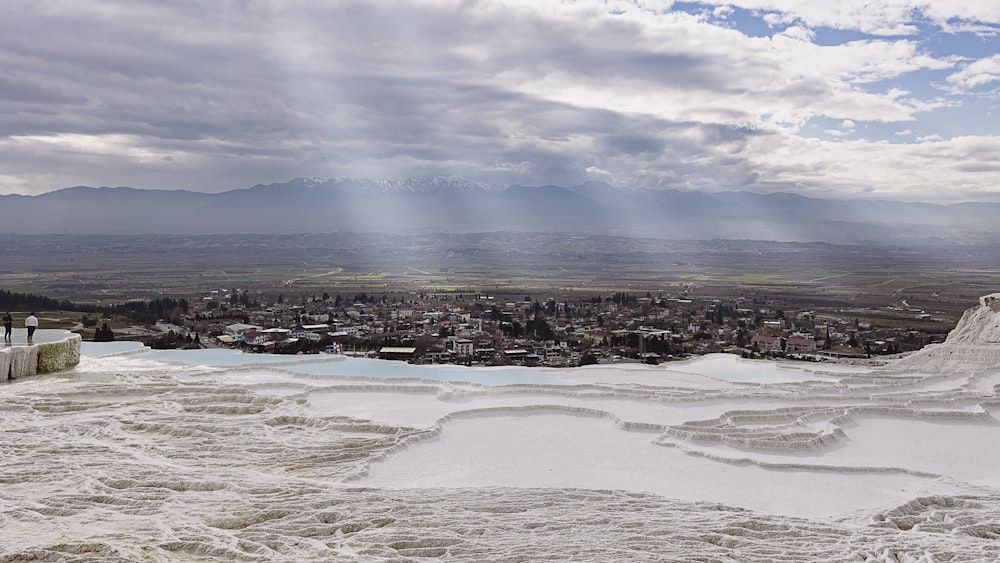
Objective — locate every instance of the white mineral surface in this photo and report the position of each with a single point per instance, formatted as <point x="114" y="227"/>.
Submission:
<point x="216" y="456"/>
<point x="51" y="350"/>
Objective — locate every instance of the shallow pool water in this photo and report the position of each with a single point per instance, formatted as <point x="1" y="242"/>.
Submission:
<point x="332" y="365"/>
<point x="719" y="368"/>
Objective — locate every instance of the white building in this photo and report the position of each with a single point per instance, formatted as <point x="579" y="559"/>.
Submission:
<point x="238" y="329"/>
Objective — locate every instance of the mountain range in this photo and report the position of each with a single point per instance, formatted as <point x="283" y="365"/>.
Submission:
<point x="449" y="204"/>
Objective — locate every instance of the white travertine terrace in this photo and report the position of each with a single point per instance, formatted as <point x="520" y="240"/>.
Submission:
<point x="973" y="346"/>
<point x="44" y="357"/>
<point x="125" y="458"/>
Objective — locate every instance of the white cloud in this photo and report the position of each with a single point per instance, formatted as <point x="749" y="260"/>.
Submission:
<point x="883" y="17"/>
<point x="977" y="29"/>
<point x="976" y="73"/>
<point x="88" y="145"/>
<point x="799" y="33"/>
<point x="774" y="19"/>
<point x="932" y="169"/>
<point x="219" y="95"/>
<point x="600" y="173"/>
<point x="723" y="12"/>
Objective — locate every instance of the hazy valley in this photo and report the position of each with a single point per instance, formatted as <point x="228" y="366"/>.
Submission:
<point x="456" y="205"/>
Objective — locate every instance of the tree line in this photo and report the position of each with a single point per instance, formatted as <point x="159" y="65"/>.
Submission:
<point x="31" y="302"/>
<point x="147" y="312"/>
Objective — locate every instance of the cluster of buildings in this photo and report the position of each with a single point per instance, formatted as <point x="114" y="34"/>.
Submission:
<point x="475" y="328"/>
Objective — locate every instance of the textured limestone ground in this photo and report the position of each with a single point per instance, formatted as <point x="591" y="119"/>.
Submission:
<point x="974" y="345"/>
<point x="127" y="459"/>
<point x="53" y="352"/>
<point x="161" y="470"/>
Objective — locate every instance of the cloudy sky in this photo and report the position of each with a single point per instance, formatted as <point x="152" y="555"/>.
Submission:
<point x="874" y="98"/>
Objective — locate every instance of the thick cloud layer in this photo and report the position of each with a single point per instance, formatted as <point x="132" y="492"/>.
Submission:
<point x="891" y="98"/>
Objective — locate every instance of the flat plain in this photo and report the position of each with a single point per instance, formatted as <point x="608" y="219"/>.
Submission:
<point x="870" y="281"/>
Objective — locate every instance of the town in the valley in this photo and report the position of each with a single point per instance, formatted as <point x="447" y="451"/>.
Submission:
<point x="476" y="328"/>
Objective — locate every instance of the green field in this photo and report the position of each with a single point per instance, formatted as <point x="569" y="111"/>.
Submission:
<point x="942" y="281"/>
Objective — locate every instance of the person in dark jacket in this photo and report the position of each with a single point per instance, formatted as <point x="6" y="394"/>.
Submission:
<point x="8" y="326"/>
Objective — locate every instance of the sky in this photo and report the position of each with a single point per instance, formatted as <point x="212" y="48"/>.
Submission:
<point x="888" y="99"/>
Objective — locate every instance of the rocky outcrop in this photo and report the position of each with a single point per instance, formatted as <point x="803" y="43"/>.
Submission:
<point x="979" y="325"/>
<point x="972" y="347"/>
<point x="46" y="357"/>
<point x="59" y="356"/>
<point x="18" y="361"/>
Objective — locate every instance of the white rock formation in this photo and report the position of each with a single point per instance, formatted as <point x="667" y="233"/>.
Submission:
<point x="57" y="356"/>
<point x="18" y="361"/>
<point x="973" y="346"/>
<point x="46" y="357"/>
<point x="200" y="459"/>
<point x="979" y="325"/>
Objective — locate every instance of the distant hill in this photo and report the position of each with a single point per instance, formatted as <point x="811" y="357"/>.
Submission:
<point x="306" y="205"/>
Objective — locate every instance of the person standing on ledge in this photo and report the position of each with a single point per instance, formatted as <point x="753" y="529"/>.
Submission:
<point x="8" y="326"/>
<point x="31" y="323"/>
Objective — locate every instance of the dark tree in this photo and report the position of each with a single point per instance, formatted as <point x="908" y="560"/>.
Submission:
<point x="104" y="334"/>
